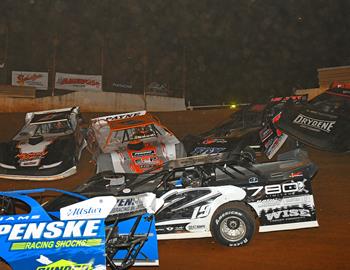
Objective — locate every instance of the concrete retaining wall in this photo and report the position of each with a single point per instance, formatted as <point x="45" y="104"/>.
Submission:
<point x="93" y="102"/>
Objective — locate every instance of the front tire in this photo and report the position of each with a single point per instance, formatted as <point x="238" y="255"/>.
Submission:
<point x="233" y="224"/>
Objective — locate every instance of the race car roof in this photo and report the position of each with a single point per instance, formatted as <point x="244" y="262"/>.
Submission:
<point x="142" y="120"/>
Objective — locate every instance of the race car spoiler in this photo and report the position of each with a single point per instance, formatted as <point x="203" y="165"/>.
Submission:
<point x="118" y="116"/>
<point x="60" y="112"/>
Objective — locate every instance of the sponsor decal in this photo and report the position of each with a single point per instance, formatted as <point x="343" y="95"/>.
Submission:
<point x="71" y="81"/>
<point x="314" y="124"/>
<point x="122" y="85"/>
<point x="78" y="82"/>
<point x="265" y="133"/>
<point x="287" y="213"/>
<point x="84" y="211"/>
<point x="119" y="116"/>
<point x="21" y="79"/>
<point x="74" y="243"/>
<point x="280" y="189"/>
<point x="207" y="150"/>
<point x="253" y="180"/>
<point x="195" y="227"/>
<point x="150" y="160"/>
<point x="294" y="98"/>
<point x="51" y="230"/>
<point x="66" y="265"/>
<point x="19" y="218"/>
<point x="39" y="80"/>
<point x="296" y="174"/>
<point x="213" y="140"/>
<point x="143" y="153"/>
<point x="31" y="156"/>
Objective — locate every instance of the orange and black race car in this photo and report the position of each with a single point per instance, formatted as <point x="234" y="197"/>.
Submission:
<point x="131" y="142"/>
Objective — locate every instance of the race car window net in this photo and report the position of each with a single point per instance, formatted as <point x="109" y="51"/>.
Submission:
<point x="53" y="128"/>
<point x="120" y="136"/>
<point x="12" y="206"/>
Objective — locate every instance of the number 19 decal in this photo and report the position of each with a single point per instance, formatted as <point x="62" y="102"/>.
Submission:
<point x="201" y="211"/>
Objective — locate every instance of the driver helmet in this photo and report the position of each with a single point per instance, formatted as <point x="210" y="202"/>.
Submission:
<point x="191" y="178"/>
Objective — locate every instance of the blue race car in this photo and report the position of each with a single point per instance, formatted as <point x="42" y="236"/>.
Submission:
<point x="86" y="234"/>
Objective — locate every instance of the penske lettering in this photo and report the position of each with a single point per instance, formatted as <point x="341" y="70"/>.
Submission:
<point x="322" y="125"/>
<point x="52" y="230"/>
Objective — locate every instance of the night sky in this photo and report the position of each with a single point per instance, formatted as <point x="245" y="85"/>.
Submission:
<point x="216" y="51"/>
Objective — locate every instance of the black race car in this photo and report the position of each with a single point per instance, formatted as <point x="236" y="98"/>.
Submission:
<point x="323" y="123"/>
<point x="250" y="130"/>
<point x="234" y="135"/>
<point x="48" y="147"/>
<point x="220" y="195"/>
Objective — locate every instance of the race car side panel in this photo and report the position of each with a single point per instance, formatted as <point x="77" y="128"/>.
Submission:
<point x="284" y="205"/>
<point x="187" y="213"/>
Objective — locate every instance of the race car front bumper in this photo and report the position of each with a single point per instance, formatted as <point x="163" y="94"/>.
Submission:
<point x="43" y="177"/>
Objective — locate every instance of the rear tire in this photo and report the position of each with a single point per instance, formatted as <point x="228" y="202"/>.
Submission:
<point x="233" y="224"/>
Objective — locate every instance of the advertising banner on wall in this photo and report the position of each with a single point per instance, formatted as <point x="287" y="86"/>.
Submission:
<point x="39" y="80"/>
<point x="78" y="82"/>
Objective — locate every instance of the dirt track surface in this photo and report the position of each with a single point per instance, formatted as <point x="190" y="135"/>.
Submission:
<point x="326" y="247"/>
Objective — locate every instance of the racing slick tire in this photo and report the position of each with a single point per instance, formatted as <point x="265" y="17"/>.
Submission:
<point x="233" y="224"/>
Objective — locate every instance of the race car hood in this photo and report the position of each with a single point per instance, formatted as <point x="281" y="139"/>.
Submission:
<point x="322" y="130"/>
<point x="234" y="142"/>
<point x="33" y="154"/>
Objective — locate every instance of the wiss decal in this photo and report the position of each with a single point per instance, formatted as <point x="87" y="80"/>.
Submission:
<point x="314" y="124"/>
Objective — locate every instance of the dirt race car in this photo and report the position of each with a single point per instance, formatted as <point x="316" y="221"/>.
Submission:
<point x="48" y="147"/>
<point x="221" y="196"/>
<point x="234" y="135"/>
<point x="250" y="131"/>
<point x="323" y="123"/>
<point x="131" y="142"/>
<point x="88" y="234"/>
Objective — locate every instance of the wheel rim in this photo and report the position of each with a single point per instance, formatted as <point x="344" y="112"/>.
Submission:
<point x="233" y="228"/>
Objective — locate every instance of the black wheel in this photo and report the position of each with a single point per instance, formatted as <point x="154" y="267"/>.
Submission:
<point x="233" y="224"/>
